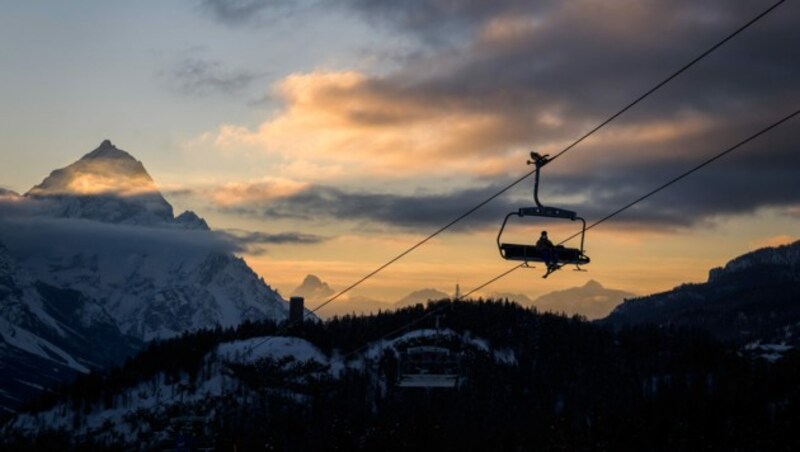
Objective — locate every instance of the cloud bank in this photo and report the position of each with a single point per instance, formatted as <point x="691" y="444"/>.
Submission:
<point x="521" y="75"/>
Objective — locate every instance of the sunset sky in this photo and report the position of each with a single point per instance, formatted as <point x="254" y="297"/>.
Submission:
<point x="360" y="126"/>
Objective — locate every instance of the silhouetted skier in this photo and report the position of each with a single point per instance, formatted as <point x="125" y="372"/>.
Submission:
<point x="547" y="249"/>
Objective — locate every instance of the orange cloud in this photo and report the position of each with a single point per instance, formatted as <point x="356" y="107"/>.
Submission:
<point x="337" y="124"/>
<point x="346" y="119"/>
<point x="242" y="193"/>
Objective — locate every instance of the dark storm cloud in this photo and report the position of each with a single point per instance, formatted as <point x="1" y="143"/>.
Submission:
<point x="40" y="235"/>
<point x="585" y="64"/>
<point x="255" y="242"/>
<point x="251" y="238"/>
<point x="439" y="21"/>
<point x="321" y="203"/>
<point x="238" y="12"/>
<point x="581" y="62"/>
<point x="739" y="183"/>
<point x="28" y="225"/>
<point x="545" y="72"/>
<point x="198" y="76"/>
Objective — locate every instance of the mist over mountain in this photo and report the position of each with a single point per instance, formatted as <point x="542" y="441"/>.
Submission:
<point x="97" y="243"/>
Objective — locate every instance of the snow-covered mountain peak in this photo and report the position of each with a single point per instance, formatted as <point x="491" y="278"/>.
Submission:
<point x="107" y="150"/>
<point x="111" y="186"/>
<point x="104" y="171"/>
<point x="190" y="220"/>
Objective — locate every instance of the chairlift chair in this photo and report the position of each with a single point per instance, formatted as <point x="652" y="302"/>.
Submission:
<point x="428" y="367"/>
<point x="555" y="257"/>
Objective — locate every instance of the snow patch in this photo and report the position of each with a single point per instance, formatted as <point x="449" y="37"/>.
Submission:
<point x="31" y="343"/>
<point x="273" y="347"/>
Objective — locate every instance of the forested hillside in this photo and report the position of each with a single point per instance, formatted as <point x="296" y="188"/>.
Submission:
<point x="530" y="381"/>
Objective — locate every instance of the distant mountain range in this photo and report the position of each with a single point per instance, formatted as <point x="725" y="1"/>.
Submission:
<point x="316" y="291"/>
<point x="95" y="263"/>
<point x="753" y="300"/>
<point x="313" y="289"/>
<point x="421" y="296"/>
<point x="592" y="300"/>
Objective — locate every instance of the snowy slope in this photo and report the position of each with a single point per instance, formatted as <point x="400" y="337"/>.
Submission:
<point x="163" y="395"/>
<point x="159" y="284"/>
<point x="234" y="374"/>
<point x="48" y="334"/>
<point x="102" y="228"/>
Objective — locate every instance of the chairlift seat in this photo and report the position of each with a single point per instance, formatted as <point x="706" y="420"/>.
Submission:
<point x="428" y="367"/>
<point x="531" y="253"/>
<point x="427" y="381"/>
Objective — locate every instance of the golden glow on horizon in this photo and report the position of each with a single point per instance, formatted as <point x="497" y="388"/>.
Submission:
<point x="637" y="261"/>
<point x="773" y="241"/>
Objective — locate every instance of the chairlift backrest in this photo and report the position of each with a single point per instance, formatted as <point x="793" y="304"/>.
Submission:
<point x="428" y="367"/>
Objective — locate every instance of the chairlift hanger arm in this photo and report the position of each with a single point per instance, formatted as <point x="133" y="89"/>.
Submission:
<point x="540" y="161"/>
